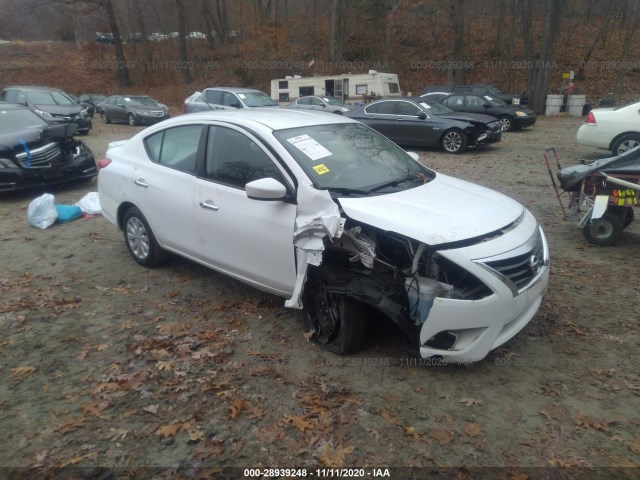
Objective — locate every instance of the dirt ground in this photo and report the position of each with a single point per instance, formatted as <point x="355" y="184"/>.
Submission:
<point x="106" y="364"/>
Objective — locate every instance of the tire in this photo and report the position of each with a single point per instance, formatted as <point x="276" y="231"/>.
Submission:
<point x="603" y="231"/>
<point x="624" y="214"/>
<point x="140" y="240"/>
<point x="624" y="143"/>
<point x="339" y="321"/>
<point x="507" y="123"/>
<point x="104" y="117"/>
<point x="454" y="141"/>
<point x="131" y="119"/>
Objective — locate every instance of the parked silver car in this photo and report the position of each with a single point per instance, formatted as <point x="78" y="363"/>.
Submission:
<point x="223" y="98"/>
<point x="323" y="104"/>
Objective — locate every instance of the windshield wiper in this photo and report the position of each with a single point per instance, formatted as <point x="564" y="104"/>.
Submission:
<point x="348" y="191"/>
<point x="413" y="177"/>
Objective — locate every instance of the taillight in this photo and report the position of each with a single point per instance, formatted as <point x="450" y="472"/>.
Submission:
<point x="591" y="119"/>
<point x="103" y="163"/>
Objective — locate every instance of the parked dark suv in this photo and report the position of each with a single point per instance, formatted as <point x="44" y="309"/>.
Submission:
<point x="51" y="104"/>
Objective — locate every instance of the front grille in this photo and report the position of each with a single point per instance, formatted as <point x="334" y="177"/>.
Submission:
<point x="41" y="157"/>
<point x="157" y="113"/>
<point x="523" y="268"/>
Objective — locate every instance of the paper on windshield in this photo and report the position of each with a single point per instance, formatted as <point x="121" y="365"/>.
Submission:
<point x="242" y="96"/>
<point x="309" y="147"/>
<point x="127" y="99"/>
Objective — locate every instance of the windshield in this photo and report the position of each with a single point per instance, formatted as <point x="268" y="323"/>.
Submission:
<point x="435" y="107"/>
<point x="140" y="101"/>
<point x="257" y="99"/>
<point x="350" y="157"/>
<point x="493" y="89"/>
<point x="20" y="119"/>
<point x="332" y="101"/>
<point x="37" y="97"/>
<point x="97" y="98"/>
<point x="494" y="102"/>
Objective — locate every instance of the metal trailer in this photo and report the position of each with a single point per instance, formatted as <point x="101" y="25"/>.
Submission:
<point x="600" y="197"/>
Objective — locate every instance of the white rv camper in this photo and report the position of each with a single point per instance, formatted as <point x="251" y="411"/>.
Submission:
<point x="343" y="87"/>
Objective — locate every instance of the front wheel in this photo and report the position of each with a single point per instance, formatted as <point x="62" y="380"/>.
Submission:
<point x="454" y="141"/>
<point x="506" y="123"/>
<point x="131" y="118"/>
<point x="338" y="321"/>
<point x="624" y="143"/>
<point x="140" y="240"/>
<point x="603" y="231"/>
<point x="105" y="118"/>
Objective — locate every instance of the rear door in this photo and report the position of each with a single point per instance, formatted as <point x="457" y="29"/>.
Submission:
<point x="381" y="116"/>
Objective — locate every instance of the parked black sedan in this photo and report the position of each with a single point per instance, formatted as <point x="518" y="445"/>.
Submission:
<point x="133" y="109"/>
<point x="35" y="152"/>
<point x="512" y="117"/>
<point x="416" y="122"/>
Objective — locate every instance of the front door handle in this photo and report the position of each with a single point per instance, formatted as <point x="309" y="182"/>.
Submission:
<point x="140" y="182"/>
<point x="209" y="205"/>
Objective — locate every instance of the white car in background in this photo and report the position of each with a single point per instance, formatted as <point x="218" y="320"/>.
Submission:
<point x="334" y="217"/>
<point x="615" y="129"/>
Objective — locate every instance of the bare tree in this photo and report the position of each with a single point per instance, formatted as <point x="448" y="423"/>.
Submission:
<point x="146" y="47"/>
<point x="497" y="44"/>
<point x="633" y="17"/>
<point x="458" y="42"/>
<point x="339" y="10"/>
<point x="541" y="62"/>
<point x="386" y="51"/>
<point x="182" y="42"/>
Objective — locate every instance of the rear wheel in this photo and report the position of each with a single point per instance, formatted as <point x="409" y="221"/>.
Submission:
<point x="624" y="143"/>
<point x="338" y="321"/>
<point x="105" y="118"/>
<point x="140" y="240"/>
<point x="454" y="141"/>
<point x="603" y="231"/>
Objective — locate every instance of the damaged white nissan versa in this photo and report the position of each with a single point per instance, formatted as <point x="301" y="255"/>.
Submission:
<point x="334" y="217"/>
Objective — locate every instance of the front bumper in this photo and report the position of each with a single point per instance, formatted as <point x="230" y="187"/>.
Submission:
<point x="83" y="167"/>
<point x="475" y="327"/>
<point x="522" y="122"/>
<point x="150" y="119"/>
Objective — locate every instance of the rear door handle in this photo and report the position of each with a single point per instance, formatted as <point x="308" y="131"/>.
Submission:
<point x="141" y="183"/>
<point x="209" y="205"/>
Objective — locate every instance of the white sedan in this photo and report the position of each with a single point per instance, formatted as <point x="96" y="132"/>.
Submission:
<point x="614" y="129"/>
<point x="332" y="216"/>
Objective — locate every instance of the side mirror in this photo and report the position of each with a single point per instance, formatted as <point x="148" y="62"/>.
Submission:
<point x="265" y="189"/>
<point x="323" y="105"/>
<point x="119" y="104"/>
<point x="235" y="105"/>
<point x="486" y="105"/>
<point x="422" y="115"/>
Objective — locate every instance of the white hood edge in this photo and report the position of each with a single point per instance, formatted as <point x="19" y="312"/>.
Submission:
<point x="442" y="211"/>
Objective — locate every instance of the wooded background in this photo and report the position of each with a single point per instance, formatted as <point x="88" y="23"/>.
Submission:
<point x="516" y="45"/>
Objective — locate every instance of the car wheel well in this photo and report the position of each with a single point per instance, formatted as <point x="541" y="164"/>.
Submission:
<point x="122" y="211"/>
<point x="620" y="135"/>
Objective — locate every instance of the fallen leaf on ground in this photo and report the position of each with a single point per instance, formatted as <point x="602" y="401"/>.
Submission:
<point x="334" y="457"/>
<point x="470" y="402"/>
<point x="298" y="421"/>
<point x="195" y="436"/>
<point x="309" y="335"/>
<point x="472" y="429"/>
<point x="151" y="409"/>
<point x="168" y="430"/>
<point x="236" y="407"/>
<point x="443" y="436"/>
<point x="23" y="371"/>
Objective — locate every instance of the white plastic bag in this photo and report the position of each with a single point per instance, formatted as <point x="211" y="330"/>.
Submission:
<point x="90" y="203"/>
<point x="42" y="211"/>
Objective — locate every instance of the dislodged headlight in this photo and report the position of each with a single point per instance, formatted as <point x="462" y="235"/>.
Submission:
<point x="42" y="113"/>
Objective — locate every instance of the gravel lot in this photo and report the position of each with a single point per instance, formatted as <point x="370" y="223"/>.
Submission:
<point x="106" y="364"/>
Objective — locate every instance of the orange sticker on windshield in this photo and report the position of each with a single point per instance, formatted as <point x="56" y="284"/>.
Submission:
<point x="321" y="169"/>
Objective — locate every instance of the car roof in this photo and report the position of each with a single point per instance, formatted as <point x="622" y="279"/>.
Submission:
<point x="272" y="119"/>
<point x="235" y="89"/>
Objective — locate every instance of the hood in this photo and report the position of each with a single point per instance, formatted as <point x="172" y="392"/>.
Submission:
<point x="469" y="117"/>
<point x="442" y="211"/>
<point x="11" y="139"/>
<point x="60" y="109"/>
